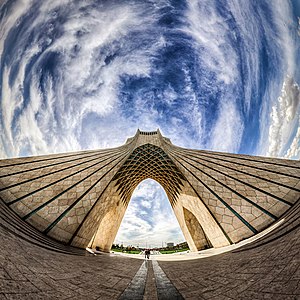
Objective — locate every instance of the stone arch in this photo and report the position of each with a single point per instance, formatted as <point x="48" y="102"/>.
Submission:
<point x="106" y="231"/>
<point x="149" y="161"/>
<point x="197" y="233"/>
<point x="67" y="196"/>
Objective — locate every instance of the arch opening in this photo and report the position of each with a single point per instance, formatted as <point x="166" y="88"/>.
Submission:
<point x="149" y="221"/>
<point x="149" y="161"/>
<point x="196" y="231"/>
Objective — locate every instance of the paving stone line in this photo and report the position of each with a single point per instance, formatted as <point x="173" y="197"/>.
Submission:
<point x="270" y="271"/>
<point x="165" y="288"/>
<point x="150" y="289"/>
<point x="136" y="288"/>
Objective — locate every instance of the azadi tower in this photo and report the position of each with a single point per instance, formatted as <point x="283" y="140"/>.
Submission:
<point x="218" y="198"/>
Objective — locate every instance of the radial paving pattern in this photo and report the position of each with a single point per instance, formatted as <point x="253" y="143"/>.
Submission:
<point x="218" y="198"/>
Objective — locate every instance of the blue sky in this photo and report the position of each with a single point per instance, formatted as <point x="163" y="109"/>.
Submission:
<point x="218" y="75"/>
<point x="149" y="220"/>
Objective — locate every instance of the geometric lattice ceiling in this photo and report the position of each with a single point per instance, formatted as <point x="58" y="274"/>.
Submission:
<point x="148" y="161"/>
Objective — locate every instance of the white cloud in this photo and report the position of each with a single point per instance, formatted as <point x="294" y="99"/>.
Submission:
<point x="153" y="226"/>
<point x="279" y="114"/>
<point x="146" y="204"/>
<point x="8" y="105"/>
<point x="284" y="118"/>
<point x="150" y="189"/>
<point x="294" y="150"/>
<point x="84" y="82"/>
<point x="284" y="39"/>
<point x="228" y="129"/>
<point x="209" y="31"/>
<point x="11" y="19"/>
<point x="98" y="83"/>
<point x="249" y="31"/>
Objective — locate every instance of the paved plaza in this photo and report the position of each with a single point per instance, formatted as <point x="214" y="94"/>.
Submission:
<point x="245" y="209"/>
<point x="35" y="267"/>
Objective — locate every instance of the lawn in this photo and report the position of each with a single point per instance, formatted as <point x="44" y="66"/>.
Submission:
<point x="138" y="252"/>
<point x="124" y="251"/>
<point x="173" y="251"/>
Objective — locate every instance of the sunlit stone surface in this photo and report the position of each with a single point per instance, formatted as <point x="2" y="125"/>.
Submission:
<point x="218" y="198"/>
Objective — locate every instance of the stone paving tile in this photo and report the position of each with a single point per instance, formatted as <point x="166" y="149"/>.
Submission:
<point x="268" y="271"/>
<point x="150" y="288"/>
<point x="32" y="272"/>
<point x="261" y="270"/>
<point x="7" y="286"/>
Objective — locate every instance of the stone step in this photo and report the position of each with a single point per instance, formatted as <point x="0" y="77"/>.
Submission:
<point x="14" y="224"/>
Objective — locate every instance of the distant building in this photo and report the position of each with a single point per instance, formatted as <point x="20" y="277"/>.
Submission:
<point x="183" y="245"/>
<point x="170" y="244"/>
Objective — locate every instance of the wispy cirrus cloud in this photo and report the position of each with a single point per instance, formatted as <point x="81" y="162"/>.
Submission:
<point x="87" y="74"/>
<point x="217" y="55"/>
<point x="211" y="35"/>
<point x="71" y="70"/>
<point x="231" y="125"/>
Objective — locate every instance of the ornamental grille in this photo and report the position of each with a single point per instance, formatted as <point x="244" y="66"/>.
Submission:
<point x="148" y="161"/>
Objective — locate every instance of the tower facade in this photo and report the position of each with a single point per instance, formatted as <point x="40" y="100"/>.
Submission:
<point x="218" y="198"/>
